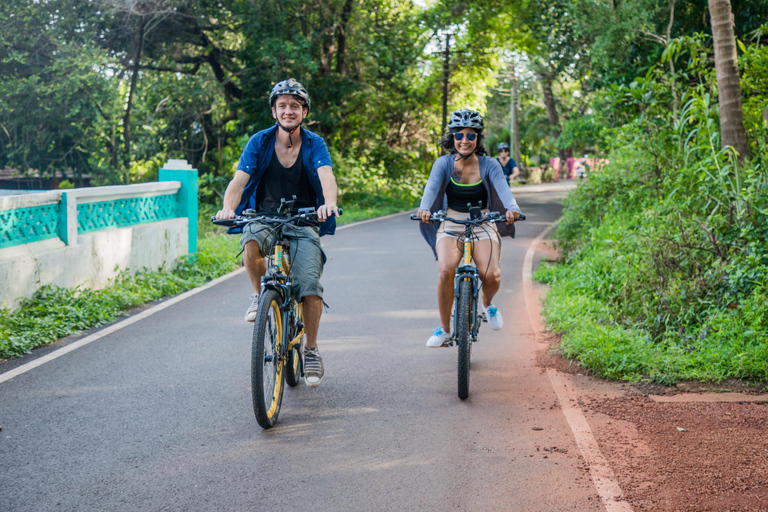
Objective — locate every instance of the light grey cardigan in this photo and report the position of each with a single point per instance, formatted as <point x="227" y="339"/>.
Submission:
<point x="500" y="198"/>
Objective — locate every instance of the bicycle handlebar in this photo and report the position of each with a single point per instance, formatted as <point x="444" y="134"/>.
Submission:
<point x="241" y="220"/>
<point x="439" y="216"/>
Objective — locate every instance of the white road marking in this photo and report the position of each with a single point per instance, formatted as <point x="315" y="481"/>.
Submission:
<point x="113" y="328"/>
<point x="602" y="475"/>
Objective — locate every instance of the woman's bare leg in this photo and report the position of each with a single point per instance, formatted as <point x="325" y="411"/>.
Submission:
<point x="486" y="254"/>
<point x="449" y="253"/>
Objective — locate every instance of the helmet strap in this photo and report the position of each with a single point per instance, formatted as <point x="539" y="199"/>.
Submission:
<point x="290" y="133"/>
<point x="462" y="156"/>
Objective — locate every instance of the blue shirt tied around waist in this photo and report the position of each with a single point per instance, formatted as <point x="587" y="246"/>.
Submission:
<point x="500" y="198"/>
<point x="255" y="160"/>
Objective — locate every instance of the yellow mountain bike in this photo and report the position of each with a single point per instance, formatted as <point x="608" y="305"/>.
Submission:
<point x="278" y="330"/>
<point x="466" y="288"/>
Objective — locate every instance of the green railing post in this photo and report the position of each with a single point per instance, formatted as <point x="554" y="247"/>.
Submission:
<point x="186" y="198"/>
<point x="63" y="214"/>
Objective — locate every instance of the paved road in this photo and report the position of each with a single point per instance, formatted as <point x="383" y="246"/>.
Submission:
<point x="157" y="416"/>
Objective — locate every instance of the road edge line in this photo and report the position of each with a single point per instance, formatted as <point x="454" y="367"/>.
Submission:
<point x="600" y="471"/>
<point x="10" y="374"/>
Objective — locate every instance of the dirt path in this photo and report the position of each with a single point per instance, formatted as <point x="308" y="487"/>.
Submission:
<point x="692" y="448"/>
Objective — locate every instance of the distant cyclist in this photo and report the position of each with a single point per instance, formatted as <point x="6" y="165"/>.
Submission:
<point x="464" y="176"/>
<point x="283" y="161"/>
<point x="508" y="164"/>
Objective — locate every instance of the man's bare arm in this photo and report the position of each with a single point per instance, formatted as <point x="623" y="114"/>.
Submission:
<point x="330" y="192"/>
<point x="233" y="194"/>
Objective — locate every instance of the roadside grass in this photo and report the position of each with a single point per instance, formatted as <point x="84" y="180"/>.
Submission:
<point x="53" y="313"/>
<point x="732" y="344"/>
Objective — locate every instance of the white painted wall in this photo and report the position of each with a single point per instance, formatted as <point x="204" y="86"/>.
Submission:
<point x="92" y="260"/>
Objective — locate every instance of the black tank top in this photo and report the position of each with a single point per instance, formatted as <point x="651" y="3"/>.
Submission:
<point x="459" y="195"/>
<point x="284" y="182"/>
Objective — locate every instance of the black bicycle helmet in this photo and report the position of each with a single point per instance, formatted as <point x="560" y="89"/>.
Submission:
<point x="466" y="119"/>
<point x="292" y="87"/>
<point x="502" y="145"/>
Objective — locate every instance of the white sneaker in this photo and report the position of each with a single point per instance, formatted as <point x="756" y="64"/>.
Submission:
<point x="438" y="338"/>
<point x="493" y="316"/>
<point x="250" y="314"/>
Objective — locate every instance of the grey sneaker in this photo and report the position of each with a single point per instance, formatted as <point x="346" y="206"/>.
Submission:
<point x="250" y="315"/>
<point x="313" y="367"/>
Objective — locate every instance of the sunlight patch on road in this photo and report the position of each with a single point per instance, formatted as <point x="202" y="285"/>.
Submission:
<point x="418" y="314"/>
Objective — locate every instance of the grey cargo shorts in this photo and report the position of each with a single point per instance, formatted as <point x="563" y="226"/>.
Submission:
<point x="306" y="254"/>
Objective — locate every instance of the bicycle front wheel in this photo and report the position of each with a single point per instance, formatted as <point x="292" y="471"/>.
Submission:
<point x="463" y="329"/>
<point x="267" y="375"/>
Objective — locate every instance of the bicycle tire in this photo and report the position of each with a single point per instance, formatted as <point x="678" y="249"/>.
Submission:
<point x="463" y="329"/>
<point x="267" y="375"/>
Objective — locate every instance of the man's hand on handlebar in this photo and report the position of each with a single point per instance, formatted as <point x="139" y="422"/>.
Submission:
<point x="225" y="214"/>
<point x="326" y="211"/>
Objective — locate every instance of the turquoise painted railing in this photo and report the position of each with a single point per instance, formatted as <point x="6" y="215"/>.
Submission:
<point x="26" y="225"/>
<point x="78" y="211"/>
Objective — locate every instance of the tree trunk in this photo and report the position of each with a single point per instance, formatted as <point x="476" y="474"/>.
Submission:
<point x="732" y="132"/>
<point x="554" y="119"/>
<point x="341" y="36"/>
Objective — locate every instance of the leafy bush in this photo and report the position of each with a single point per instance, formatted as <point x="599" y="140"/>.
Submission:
<point x="664" y="261"/>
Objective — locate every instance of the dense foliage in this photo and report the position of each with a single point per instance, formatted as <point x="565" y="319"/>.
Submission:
<point x="665" y="272"/>
<point x="113" y="88"/>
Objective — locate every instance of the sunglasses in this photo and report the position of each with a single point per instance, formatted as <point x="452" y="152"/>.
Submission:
<point x="459" y="136"/>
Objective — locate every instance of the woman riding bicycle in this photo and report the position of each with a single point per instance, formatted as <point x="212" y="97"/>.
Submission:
<point x="465" y="176"/>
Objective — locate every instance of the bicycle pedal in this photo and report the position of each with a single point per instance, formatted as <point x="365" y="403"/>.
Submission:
<point x="447" y="344"/>
<point x="482" y="317"/>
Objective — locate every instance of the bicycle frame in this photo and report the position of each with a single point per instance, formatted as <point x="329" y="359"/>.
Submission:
<point x="467" y="272"/>
<point x="280" y="280"/>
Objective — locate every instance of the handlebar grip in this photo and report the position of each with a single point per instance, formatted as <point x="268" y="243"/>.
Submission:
<point x="224" y="222"/>
<point x="521" y="217"/>
<point x="414" y="216"/>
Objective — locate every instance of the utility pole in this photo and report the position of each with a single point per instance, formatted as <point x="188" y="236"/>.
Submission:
<point x="446" y="76"/>
<point x="514" y="129"/>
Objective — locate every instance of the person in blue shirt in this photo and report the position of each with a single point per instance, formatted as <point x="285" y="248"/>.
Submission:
<point x="283" y="161"/>
<point x="508" y="164"/>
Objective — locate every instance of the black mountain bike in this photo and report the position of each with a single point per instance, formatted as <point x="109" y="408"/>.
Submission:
<point x="278" y="330"/>
<point x="466" y="288"/>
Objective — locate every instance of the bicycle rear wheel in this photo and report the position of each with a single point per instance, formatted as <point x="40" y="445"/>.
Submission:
<point x="267" y="375"/>
<point x="463" y="329"/>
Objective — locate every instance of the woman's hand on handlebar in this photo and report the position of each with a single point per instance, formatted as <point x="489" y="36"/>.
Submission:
<point x="424" y="215"/>
<point x="512" y="216"/>
<point x="225" y="214"/>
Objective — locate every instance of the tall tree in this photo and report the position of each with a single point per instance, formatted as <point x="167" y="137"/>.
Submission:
<point x="732" y="132"/>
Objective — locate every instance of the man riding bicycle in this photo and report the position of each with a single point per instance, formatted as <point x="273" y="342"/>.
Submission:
<point x="508" y="164"/>
<point x="281" y="162"/>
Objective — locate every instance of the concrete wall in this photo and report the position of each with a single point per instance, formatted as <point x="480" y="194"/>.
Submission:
<point x="95" y="259"/>
<point x="158" y="225"/>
